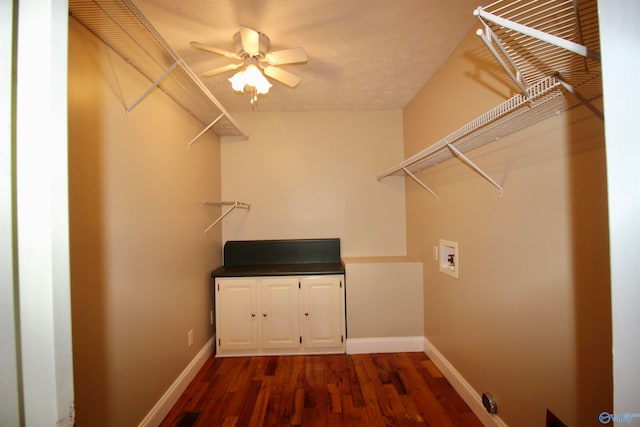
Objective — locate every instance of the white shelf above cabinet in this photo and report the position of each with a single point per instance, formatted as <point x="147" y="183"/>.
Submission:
<point x="548" y="48"/>
<point x="121" y="25"/>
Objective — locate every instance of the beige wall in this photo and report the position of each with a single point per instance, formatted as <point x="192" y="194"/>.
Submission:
<point x="384" y="298"/>
<point x="529" y="318"/>
<point x="139" y="262"/>
<point x="313" y="174"/>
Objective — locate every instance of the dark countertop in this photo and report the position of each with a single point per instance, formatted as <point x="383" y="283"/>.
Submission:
<point x="287" y="257"/>
<point x="279" y="270"/>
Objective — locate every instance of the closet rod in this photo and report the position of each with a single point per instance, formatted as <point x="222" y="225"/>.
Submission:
<point x="233" y="204"/>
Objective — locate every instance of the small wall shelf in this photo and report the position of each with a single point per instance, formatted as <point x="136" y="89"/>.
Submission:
<point x="552" y="43"/>
<point x="121" y="25"/>
<point x="233" y="204"/>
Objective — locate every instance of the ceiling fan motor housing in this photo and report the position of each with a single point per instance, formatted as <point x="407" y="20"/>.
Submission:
<point x="264" y="45"/>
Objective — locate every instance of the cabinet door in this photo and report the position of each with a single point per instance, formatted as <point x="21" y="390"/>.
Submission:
<point x="237" y="305"/>
<point x="323" y="312"/>
<point x="280" y="315"/>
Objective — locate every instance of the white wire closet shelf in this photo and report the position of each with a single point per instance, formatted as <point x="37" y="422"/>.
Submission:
<point x="548" y="50"/>
<point x="121" y="25"/>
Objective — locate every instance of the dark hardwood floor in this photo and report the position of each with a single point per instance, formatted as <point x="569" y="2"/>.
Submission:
<point x="391" y="389"/>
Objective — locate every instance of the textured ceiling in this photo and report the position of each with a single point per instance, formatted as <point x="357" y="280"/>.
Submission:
<point x="363" y="54"/>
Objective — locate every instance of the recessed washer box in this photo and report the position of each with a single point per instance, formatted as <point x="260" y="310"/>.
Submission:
<point x="449" y="258"/>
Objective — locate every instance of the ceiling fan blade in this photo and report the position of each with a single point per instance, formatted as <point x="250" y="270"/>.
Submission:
<point x="287" y="56"/>
<point x="212" y="49"/>
<point x="221" y="70"/>
<point x="250" y="40"/>
<point x="282" y="76"/>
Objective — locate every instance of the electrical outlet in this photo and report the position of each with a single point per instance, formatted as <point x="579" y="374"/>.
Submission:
<point x="190" y="338"/>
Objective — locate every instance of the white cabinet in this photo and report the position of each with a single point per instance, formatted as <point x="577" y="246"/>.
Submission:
<point x="280" y="311"/>
<point x="323" y="308"/>
<point x="280" y="315"/>
<point x="237" y="305"/>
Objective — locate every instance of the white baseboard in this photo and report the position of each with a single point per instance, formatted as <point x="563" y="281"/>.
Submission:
<point x="171" y="396"/>
<point x="384" y="345"/>
<point x="464" y="389"/>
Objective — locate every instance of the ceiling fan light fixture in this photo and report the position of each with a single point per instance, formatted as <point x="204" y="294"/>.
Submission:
<point x="256" y="60"/>
<point x="252" y="77"/>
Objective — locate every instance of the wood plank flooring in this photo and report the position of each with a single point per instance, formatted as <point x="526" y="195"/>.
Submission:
<point x="391" y="389"/>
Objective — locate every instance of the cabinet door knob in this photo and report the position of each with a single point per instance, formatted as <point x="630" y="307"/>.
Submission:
<point x="264" y="314"/>
<point x="306" y="313"/>
<point x="253" y="315"/>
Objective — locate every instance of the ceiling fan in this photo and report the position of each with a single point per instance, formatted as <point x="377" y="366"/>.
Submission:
<point x="253" y="50"/>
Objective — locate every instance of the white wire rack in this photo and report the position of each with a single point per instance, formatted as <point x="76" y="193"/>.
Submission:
<point x="549" y="50"/>
<point x="121" y="25"/>
<point x="533" y="39"/>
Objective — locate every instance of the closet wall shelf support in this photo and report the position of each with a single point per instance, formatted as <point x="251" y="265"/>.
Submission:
<point x="475" y="167"/>
<point x="491" y="41"/>
<point x="233" y="205"/>
<point x="150" y="88"/>
<point x="548" y="48"/>
<point x="422" y="184"/>
<point x="544" y="100"/>
<point x="536" y="34"/>
<point x="209" y="126"/>
<point x="540" y="44"/>
<point x="587" y="103"/>
<point x="123" y="27"/>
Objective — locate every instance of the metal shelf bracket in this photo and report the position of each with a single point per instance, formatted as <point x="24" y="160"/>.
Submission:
<point x="205" y="129"/>
<point x="491" y="41"/>
<point x="569" y="88"/>
<point x="422" y="184"/>
<point x="233" y="204"/>
<point x="475" y="167"/>
<point x="150" y="88"/>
